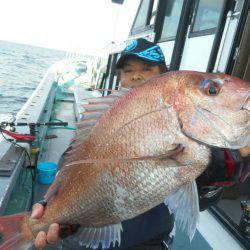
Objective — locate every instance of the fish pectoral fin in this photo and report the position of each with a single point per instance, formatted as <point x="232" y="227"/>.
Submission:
<point x="184" y="203"/>
<point x="174" y="152"/>
<point x="93" y="237"/>
<point x="165" y="156"/>
<point x="171" y="153"/>
<point x="93" y="111"/>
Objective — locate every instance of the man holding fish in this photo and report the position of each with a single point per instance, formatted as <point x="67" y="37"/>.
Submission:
<point x="158" y="145"/>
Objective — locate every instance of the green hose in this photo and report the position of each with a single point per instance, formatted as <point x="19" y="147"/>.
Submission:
<point x="60" y="127"/>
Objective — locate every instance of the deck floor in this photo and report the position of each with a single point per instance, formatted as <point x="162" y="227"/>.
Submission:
<point x="54" y="148"/>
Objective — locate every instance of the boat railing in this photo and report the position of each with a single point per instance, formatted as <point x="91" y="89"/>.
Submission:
<point x="37" y="109"/>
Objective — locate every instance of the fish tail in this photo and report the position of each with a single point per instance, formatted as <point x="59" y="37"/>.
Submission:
<point x="14" y="234"/>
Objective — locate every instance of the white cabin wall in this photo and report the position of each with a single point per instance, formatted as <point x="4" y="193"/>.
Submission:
<point x="167" y="49"/>
<point x="196" y="53"/>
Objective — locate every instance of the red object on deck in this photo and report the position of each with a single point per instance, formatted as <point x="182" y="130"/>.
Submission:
<point x="19" y="137"/>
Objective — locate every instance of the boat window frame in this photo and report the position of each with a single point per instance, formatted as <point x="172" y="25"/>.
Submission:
<point x="106" y="73"/>
<point x="114" y="58"/>
<point x="172" y="38"/>
<point x="182" y="33"/>
<point x="146" y="26"/>
<point x="204" y="32"/>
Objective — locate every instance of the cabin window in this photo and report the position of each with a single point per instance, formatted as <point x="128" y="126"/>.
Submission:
<point x="145" y="16"/>
<point x="141" y="18"/>
<point x="207" y="16"/>
<point x="154" y="12"/>
<point x="171" y="20"/>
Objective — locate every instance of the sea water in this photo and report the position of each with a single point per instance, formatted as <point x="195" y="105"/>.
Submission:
<point x="22" y="67"/>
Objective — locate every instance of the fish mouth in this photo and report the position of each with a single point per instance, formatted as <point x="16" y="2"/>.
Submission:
<point x="231" y="135"/>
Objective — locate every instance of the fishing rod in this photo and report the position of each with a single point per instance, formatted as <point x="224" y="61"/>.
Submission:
<point x="15" y="124"/>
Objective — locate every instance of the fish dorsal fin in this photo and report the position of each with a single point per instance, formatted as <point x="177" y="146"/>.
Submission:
<point x="96" y="107"/>
<point x="86" y="123"/>
<point x="94" y="110"/>
<point x="73" y="158"/>
<point x="109" y="98"/>
<point x="93" y="237"/>
<point x="92" y="114"/>
<point x="184" y="203"/>
<point x="84" y="128"/>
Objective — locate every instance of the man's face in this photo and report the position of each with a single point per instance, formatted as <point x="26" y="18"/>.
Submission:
<point x="135" y="72"/>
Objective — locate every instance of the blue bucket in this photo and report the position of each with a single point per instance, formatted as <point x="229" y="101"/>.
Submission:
<point x="46" y="172"/>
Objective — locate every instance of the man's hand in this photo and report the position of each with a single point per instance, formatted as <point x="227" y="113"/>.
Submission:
<point x="42" y="239"/>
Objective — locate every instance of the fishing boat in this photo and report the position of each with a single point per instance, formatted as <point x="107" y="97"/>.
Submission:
<point x="207" y="36"/>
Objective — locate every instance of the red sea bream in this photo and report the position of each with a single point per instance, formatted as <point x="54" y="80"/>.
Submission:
<point x="137" y="149"/>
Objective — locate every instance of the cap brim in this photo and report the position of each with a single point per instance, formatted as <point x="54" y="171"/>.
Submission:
<point x="123" y="58"/>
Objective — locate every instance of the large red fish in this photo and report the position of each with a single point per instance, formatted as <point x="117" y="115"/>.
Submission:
<point x="148" y="147"/>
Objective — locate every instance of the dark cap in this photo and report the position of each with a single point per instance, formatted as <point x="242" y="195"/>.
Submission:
<point x="148" y="52"/>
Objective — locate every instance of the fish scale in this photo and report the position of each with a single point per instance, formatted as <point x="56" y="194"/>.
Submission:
<point x="147" y="148"/>
<point x="110" y="149"/>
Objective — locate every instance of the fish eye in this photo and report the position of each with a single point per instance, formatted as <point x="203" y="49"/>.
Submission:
<point x="211" y="87"/>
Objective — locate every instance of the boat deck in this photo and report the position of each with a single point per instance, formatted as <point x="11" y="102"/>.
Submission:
<point x="54" y="148"/>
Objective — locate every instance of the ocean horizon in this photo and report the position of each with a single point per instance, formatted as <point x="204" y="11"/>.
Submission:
<point x="22" y="67"/>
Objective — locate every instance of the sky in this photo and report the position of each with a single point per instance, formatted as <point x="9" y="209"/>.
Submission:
<point x="85" y="26"/>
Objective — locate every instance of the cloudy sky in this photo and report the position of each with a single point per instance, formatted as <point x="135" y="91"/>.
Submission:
<point x="82" y="25"/>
